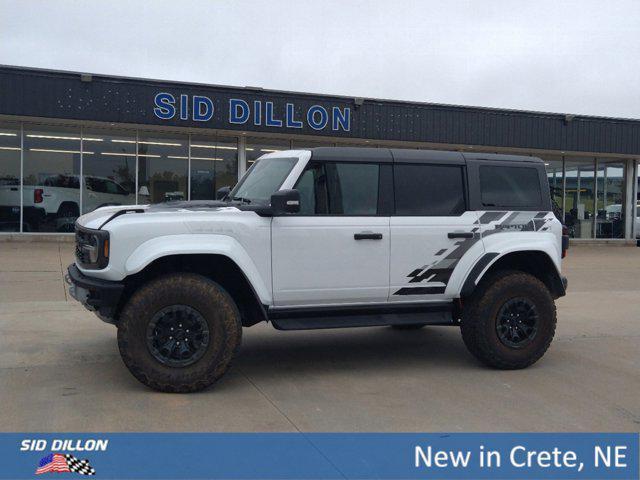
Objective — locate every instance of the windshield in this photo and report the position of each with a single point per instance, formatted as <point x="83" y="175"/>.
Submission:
<point x="262" y="180"/>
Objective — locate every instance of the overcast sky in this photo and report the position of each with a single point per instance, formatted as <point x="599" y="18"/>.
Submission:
<point x="559" y="56"/>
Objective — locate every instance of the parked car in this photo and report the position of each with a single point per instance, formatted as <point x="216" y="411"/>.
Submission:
<point x="614" y="212"/>
<point x="329" y="238"/>
<point x="56" y="197"/>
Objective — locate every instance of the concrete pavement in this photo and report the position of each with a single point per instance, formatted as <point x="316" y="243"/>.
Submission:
<point x="60" y="369"/>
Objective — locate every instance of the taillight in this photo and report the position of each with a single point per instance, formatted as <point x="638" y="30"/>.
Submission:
<point x="565" y="241"/>
<point x="37" y="195"/>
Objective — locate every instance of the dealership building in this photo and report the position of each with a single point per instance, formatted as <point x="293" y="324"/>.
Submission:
<point x="71" y="142"/>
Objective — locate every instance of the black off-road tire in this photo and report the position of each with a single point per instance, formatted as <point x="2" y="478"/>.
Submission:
<point x="479" y="320"/>
<point x="68" y="209"/>
<point x="200" y="293"/>
<point x="409" y="326"/>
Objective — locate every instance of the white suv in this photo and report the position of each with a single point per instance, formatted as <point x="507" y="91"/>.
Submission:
<point x="327" y="238"/>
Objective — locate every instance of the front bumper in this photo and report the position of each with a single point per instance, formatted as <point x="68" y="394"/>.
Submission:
<point x="99" y="296"/>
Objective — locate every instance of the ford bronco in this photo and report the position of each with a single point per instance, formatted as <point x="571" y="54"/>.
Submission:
<point x="329" y="238"/>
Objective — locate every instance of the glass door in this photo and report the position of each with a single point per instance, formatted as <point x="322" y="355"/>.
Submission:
<point x="580" y="196"/>
<point x="610" y="200"/>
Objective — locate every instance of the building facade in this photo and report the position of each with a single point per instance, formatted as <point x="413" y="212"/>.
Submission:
<point x="72" y="142"/>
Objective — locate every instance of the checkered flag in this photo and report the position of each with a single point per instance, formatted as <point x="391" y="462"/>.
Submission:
<point x="79" y="466"/>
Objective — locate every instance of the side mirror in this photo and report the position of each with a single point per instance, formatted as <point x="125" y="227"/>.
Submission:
<point x="222" y="192"/>
<point x="285" y="201"/>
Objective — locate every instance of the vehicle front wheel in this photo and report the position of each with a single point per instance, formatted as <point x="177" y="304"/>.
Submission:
<point x="510" y="321"/>
<point x="179" y="333"/>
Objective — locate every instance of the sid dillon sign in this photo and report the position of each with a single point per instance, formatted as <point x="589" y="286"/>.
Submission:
<point x="200" y="108"/>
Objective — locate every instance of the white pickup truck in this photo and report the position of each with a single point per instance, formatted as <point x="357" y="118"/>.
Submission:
<point x="56" y="197"/>
<point x="614" y="212"/>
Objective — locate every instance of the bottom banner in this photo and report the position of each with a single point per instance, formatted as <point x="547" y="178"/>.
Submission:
<point x="320" y="455"/>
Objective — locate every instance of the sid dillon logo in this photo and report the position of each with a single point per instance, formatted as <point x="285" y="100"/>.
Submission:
<point x="57" y="462"/>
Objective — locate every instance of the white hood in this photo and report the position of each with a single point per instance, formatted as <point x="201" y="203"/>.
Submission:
<point x="99" y="216"/>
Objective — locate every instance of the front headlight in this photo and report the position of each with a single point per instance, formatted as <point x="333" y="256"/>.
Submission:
<point x="92" y="248"/>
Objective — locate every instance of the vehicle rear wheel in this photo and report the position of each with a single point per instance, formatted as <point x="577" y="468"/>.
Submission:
<point x="510" y="321"/>
<point x="66" y="217"/>
<point x="68" y="209"/>
<point x="409" y="326"/>
<point x="179" y="333"/>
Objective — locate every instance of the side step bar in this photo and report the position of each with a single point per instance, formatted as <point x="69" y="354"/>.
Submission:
<point x="292" y="318"/>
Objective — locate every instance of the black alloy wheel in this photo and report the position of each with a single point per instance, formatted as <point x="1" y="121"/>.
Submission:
<point x="517" y="322"/>
<point x="177" y="336"/>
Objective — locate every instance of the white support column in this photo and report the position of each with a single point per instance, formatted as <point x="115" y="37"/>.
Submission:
<point x="594" y="216"/>
<point x="634" y="201"/>
<point x="21" y="176"/>
<point x="137" y="168"/>
<point x="564" y="189"/>
<point x="189" y="170"/>
<point x="631" y="185"/>
<point x="242" y="156"/>
<point x="604" y="187"/>
<point x="81" y="182"/>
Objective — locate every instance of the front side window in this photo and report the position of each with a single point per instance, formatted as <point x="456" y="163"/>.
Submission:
<point x="312" y="186"/>
<point x="262" y="180"/>
<point x="429" y="190"/>
<point x="339" y="189"/>
<point x="510" y="187"/>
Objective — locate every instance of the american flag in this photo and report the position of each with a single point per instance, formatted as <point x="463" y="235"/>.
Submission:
<point x="57" y="462"/>
<point x="54" y="462"/>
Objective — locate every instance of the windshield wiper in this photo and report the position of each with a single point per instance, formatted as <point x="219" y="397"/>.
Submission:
<point x="241" y="199"/>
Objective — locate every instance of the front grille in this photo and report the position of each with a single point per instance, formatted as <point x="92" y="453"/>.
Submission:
<point x="91" y="243"/>
<point x="83" y="238"/>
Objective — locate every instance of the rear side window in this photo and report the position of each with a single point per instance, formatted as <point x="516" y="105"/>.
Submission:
<point x="509" y="186"/>
<point x="429" y="190"/>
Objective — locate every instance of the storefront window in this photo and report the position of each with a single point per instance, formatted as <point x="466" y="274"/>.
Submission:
<point x="256" y="147"/>
<point x="636" y="223"/>
<point x="580" y="196"/>
<point x="163" y="167"/>
<point x="588" y="194"/>
<point x="9" y="177"/>
<point x="555" y="175"/>
<point x="51" y="191"/>
<point x="610" y="211"/>
<point x="109" y="171"/>
<point x="214" y="164"/>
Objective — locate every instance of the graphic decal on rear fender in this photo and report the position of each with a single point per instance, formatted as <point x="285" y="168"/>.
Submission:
<point x="437" y="274"/>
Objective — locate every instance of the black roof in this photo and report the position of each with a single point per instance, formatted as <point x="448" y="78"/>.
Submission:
<point x="391" y="155"/>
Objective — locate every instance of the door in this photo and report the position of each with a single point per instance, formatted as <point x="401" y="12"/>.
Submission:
<point x="432" y="233"/>
<point x="336" y="250"/>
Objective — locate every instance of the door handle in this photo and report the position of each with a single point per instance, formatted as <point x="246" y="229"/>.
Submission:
<point x="367" y="236"/>
<point x="460" y="235"/>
